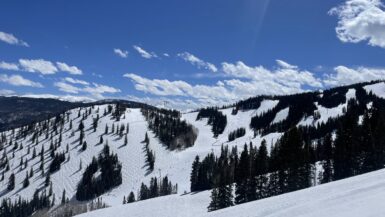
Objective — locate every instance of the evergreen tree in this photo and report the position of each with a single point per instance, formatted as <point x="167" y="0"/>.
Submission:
<point x="131" y="197"/>
<point x="252" y="179"/>
<point x="84" y="146"/>
<point x="262" y="169"/>
<point x="194" y="175"/>
<point x="214" y="203"/>
<point x="31" y="172"/>
<point x="11" y="182"/>
<point x="241" y="176"/>
<point x="26" y="181"/>
<point x="154" y="188"/>
<point x="81" y="126"/>
<point x="106" y="130"/>
<point x="47" y="181"/>
<point x="63" y="197"/>
<point x="225" y="192"/>
<point x="327" y="174"/>
<point x="144" y="192"/>
<point x="345" y="161"/>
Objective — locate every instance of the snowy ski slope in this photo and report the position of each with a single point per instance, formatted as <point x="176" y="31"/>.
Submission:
<point x="359" y="196"/>
<point x="175" y="164"/>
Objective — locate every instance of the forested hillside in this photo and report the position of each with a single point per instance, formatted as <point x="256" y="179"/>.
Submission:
<point x="112" y="153"/>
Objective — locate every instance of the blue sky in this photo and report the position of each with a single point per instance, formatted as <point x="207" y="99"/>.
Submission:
<point x="189" y="53"/>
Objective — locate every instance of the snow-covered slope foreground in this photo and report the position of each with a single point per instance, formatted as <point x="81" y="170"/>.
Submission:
<point x="360" y="196"/>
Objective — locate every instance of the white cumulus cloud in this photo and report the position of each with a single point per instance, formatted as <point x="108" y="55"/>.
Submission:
<point x="121" y="53"/>
<point x="75" y="86"/>
<point x="145" y="54"/>
<point x="44" y="67"/>
<point x="344" y="75"/>
<point x="18" y="80"/>
<point x="361" y="20"/>
<point x="188" y="57"/>
<point x="9" y="66"/>
<point x="65" y="87"/>
<point x="70" y="69"/>
<point x="11" y="39"/>
<point x="38" y="65"/>
<point x="286" y="75"/>
<point x="75" y="81"/>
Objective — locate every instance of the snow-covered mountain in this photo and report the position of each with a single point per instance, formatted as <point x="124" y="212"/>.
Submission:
<point x="62" y="135"/>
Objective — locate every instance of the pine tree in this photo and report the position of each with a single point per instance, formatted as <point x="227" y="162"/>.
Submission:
<point x="241" y="176"/>
<point x="327" y="174"/>
<point x="146" y="139"/>
<point x="262" y="170"/>
<point x="33" y="153"/>
<point x="63" y="197"/>
<point x="81" y="126"/>
<point x="95" y="123"/>
<point x="252" y="179"/>
<point x="11" y="182"/>
<point x="84" y="146"/>
<point x="154" y="188"/>
<point x="81" y="137"/>
<point x="50" y="191"/>
<point x="47" y="180"/>
<point x="194" y="175"/>
<point x="290" y="148"/>
<point x="26" y="181"/>
<point x="214" y="204"/>
<point x="131" y="197"/>
<point x="225" y="190"/>
<point x="31" y="172"/>
<point x="144" y="192"/>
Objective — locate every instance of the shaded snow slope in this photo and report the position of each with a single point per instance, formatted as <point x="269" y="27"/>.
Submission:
<point x="360" y="196"/>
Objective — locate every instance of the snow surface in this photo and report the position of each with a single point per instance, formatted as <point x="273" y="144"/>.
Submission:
<point x="281" y="116"/>
<point x="359" y="196"/>
<point x="175" y="164"/>
<point x="266" y="105"/>
<point x="377" y="89"/>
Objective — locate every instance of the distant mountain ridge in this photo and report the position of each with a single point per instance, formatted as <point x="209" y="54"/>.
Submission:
<point x="19" y="111"/>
